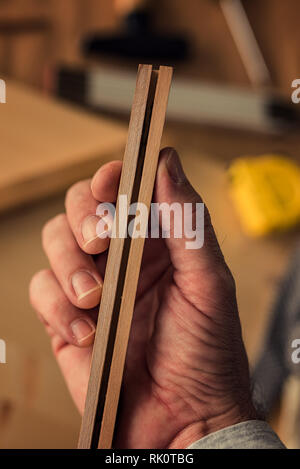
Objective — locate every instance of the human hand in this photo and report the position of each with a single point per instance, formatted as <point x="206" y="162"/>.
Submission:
<point x="186" y="372"/>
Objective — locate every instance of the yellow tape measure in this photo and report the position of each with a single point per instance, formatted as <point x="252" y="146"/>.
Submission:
<point x="266" y="193"/>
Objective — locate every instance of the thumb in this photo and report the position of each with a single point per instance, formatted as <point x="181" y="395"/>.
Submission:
<point x="174" y="193"/>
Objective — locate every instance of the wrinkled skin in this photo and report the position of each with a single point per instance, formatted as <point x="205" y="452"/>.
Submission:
<point x="186" y="372"/>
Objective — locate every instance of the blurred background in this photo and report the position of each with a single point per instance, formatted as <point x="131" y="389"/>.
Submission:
<point x="70" y="68"/>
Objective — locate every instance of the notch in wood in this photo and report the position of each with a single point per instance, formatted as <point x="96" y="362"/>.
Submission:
<point x="124" y="259"/>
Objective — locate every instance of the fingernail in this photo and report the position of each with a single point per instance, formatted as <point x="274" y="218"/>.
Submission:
<point x="89" y="229"/>
<point x="82" y="329"/>
<point x="174" y="168"/>
<point x="84" y="284"/>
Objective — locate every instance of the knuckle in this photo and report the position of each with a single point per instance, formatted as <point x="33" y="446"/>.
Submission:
<point x="113" y="165"/>
<point x="229" y="281"/>
<point x="225" y="279"/>
<point x="73" y="189"/>
<point x="35" y="282"/>
<point x="55" y="309"/>
<point x="51" y="226"/>
<point x="77" y="190"/>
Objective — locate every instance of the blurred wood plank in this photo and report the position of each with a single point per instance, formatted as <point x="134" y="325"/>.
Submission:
<point x="47" y="145"/>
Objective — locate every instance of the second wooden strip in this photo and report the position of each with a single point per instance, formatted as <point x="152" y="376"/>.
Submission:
<point x="134" y="260"/>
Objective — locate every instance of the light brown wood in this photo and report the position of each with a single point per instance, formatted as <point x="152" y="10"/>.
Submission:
<point x="114" y="262"/>
<point x="134" y="259"/>
<point x="47" y="145"/>
<point x="124" y="260"/>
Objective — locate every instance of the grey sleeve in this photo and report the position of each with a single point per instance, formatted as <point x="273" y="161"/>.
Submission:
<point x="253" y="434"/>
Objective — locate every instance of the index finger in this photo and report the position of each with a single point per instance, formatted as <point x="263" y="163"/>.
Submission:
<point x="82" y="201"/>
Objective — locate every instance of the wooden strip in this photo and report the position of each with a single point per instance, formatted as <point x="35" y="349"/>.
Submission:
<point x="91" y="421"/>
<point x="124" y="260"/>
<point x="134" y="259"/>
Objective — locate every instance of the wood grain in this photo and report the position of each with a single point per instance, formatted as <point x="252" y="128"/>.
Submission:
<point x="124" y="260"/>
<point x="114" y="264"/>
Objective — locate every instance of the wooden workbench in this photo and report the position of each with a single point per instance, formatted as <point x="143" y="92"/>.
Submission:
<point x="46" y="145"/>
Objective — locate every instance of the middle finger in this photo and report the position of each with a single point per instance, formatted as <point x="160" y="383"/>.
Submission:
<point x="75" y="270"/>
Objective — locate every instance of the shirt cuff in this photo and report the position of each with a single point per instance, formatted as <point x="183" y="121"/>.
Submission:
<point x="253" y="434"/>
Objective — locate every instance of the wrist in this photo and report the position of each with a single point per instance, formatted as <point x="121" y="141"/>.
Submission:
<point x="197" y="430"/>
